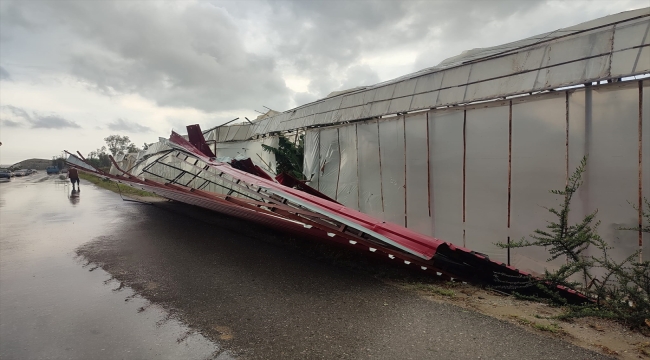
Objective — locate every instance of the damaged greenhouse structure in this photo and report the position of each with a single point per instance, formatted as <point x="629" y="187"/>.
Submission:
<point x="433" y="168"/>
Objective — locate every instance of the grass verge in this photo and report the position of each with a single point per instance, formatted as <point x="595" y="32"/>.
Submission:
<point x="430" y="289"/>
<point x="552" y="327"/>
<point x="113" y="186"/>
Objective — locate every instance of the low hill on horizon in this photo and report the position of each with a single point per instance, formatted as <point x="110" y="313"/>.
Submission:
<point x="37" y="164"/>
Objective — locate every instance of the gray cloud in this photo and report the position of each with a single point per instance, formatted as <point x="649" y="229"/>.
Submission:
<point x="129" y="126"/>
<point x="184" y="56"/>
<point x="9" y="123"/>
<point x="224" y="56"/>
<point x="18" y="112"/>
<point x="38" y="121"/>
<point x="52" y="122"/>
<point x="4" y="74"/>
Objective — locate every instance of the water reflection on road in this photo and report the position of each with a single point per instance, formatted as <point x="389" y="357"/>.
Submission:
<point x="52" y="304"/>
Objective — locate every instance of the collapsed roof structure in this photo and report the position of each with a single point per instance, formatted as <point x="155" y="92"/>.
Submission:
<point x="466" y="95"/>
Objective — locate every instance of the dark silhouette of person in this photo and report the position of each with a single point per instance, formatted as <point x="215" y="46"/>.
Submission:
<point x="74" y="197"/>
<point x="73" y="175"/>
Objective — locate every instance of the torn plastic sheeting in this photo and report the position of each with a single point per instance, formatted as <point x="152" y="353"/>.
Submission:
<point x="329" y="162"/>
<point x="311" y="168"/>
<point x="417" y="175"/>
<point x="348" y="187"/>
<point x="391" y="150"/>
<point x="370" y="196"/>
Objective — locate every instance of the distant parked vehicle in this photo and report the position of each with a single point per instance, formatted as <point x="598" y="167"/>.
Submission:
<point x="20" y="173"/>
<point x="5" y="174"/>
<point x="52" y="170"/>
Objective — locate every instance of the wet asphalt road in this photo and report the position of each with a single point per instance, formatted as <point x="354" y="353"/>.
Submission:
<point x="107" y="279"/>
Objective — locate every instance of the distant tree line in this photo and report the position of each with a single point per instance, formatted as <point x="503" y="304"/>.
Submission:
<point x="115" y="145"/>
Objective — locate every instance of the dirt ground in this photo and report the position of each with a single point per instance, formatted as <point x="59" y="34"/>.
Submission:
<point x="603" y="336"/>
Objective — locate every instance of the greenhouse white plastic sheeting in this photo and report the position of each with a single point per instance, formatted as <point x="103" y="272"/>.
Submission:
<point x="474" y="173"/>
<point x="481" y="174"/>
<point x="610" y="47"/>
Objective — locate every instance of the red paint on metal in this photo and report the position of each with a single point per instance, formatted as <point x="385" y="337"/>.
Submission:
<point x="197" y="139"/>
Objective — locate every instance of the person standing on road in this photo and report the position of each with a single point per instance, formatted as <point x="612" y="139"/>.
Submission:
<point x="73" y="175"/>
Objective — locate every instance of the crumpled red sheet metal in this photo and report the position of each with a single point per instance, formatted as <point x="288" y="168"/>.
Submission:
<point x="299" y="212"/>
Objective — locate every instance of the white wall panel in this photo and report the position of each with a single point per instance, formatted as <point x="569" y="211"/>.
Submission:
<point x="609" y="134"/>
<point x="486" y="181"/>
<point x="446" y="147"/>
<point x="348" y="188"/>
<point x="330" y="161"/>
<point x="418" y="209"/>
<point x="391" y="140"/>
<point x="370" y="200"/>
<point x="538" y="166"/>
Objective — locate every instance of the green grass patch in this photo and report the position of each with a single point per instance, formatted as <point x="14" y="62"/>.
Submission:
<point x="113" y="186"/>
<point x="552" y="328"/>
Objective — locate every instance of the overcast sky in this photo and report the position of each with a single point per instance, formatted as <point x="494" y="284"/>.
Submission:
<point x="74" y="72"/>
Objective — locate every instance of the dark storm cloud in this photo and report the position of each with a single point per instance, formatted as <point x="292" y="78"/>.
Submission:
<point x="37" y="121"/>
<point x="129" y="126"/>
<point x="177" y="54"/>
<point x="4" y="74"/>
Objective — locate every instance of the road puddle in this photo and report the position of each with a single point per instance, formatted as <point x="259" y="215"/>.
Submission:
<point x="54" y="304"/>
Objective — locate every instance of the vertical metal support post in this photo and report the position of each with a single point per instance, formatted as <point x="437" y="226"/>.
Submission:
<point x="509" y="173"/>
<point x="356" y="144"/>
<point x="464" y="170"/>
<point x="405" y="160"/>
<point x="640" y="202"/>
<point x="587" y="145"/>
<point x="338" y="176"/>
<point x="428" y="170"/>
<point x="381" y="183"/>
<point x="566" y="153"/>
